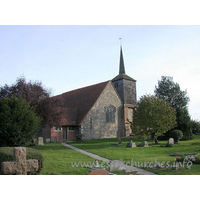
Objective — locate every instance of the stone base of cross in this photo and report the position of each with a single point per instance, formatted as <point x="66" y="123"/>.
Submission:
<point x="20" y="166"/>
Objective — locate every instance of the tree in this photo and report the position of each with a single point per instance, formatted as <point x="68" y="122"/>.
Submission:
<point x="153" y="117"/>
<point x="178" y="100"/>
<point x="18" y="122"/>
<point x="195" y="125"/>
<point x="46" y="106"/>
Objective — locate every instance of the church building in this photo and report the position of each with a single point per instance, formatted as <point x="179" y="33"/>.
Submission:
<point x="97" y="111"/>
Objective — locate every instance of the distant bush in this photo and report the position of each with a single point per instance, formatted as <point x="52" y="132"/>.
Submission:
<point x="6" y="154"/>
<point x="79" y="137"/>
<point x="176" y="134"/>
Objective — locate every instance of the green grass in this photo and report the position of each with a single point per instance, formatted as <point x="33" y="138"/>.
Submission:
<point x="108" y="148"/>
<point x="58" y="158"/>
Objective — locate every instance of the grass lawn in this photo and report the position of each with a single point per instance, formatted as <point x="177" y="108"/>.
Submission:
<point x="58" y="158"/>
<point x="108" y="148"/>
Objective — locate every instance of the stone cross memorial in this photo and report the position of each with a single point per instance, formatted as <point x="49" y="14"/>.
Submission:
<point x="20" y="166"/>
<point x="40" y="141"/>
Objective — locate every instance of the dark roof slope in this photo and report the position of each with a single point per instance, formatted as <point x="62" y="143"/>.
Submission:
<point x="80" y="101"/>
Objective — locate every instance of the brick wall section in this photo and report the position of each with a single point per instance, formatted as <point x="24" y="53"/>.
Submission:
<point x="56" y="135"/>
<point x="71" y="135"/>
<point x="98" y="127"/>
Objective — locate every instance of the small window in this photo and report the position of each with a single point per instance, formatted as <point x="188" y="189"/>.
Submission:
<point x="91" y="121"/>
<point x="116" y="84"/>
<point x="110" y="113"/>
<point x="56" y="128"/>
<point x="71" y="128"/>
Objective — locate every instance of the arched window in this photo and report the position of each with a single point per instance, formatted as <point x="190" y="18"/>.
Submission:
<point x="110" y="113"/>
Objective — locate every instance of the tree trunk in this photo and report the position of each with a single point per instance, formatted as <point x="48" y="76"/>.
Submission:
<point x="155" y="139"/>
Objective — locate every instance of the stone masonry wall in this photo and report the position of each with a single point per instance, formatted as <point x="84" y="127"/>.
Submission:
<point x="129" y="92"/>
<point x="94" y="125"/>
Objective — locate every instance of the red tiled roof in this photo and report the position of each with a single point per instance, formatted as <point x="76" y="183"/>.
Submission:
<point x="78" y="102"/>
<point x="69" y="117"/>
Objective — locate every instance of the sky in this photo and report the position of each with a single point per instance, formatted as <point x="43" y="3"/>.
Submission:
<point x="68" y="57"/>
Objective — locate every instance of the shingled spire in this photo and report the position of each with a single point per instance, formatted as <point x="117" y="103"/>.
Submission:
<point x="121" y="63"/>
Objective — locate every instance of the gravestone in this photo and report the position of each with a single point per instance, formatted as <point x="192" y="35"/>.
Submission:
<point x="116" y="165"/>
<point x="144" y="144"/>
<point x="130" y="172"/>
<point x="40" y="141"/>
<point x="48" y="140"/>
<point x="20" y="166"/>
<point x="98" y="172"/>
<point x="96" y="163"/>
<point x="171" y="140"/>
<point x="131" y="144"/>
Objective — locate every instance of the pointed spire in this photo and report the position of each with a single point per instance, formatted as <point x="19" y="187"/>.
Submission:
<point x="121" y="63"/>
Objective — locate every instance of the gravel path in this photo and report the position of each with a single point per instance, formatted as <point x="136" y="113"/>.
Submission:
<point x="127" y="167"/>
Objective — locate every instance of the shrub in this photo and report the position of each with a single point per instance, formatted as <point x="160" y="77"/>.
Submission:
<point x="6" y="154"/>
<point x="18" y="122"/>
<point x="79" y="137"/>
<point x="176" y="134"/>
<point x="197" y="161"/>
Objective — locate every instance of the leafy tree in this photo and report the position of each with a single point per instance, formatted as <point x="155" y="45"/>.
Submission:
<point x="46" y="106"/>
<point x="153" y="117"/>
<point x="178" y="100"/>
<point x="195" y="125"/>
<point x="18" y="122"/>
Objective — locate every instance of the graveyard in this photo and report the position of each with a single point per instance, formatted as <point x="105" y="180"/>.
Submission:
<point x="159" y="152"/>
<point x="58" y="158"/>
<point x="61" y="160"/>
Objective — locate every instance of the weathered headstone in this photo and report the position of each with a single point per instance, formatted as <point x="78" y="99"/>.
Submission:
<point x="98" y="172"/>
<point x="171" y="140"/>
<point x="20" y="166"/>
<point x="96" y="163"/>
<point x="116" y="165"/>
<point x="144" y="144"/>
<point x="130" y="172"/>
<point x="48" y="140"/>
<point x="40" y="141"/>
<point x="131" y="144"/>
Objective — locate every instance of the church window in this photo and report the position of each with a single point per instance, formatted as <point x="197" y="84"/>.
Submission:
<point x="56" y="128"/>
<point x="110" y="113"/>
<point x="71" y="128"/>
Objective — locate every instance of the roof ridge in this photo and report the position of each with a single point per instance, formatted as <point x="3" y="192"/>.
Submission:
<point x="84" y="87"/>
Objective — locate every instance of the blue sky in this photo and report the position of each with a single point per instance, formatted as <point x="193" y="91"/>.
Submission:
<point x="70" y="57"/>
